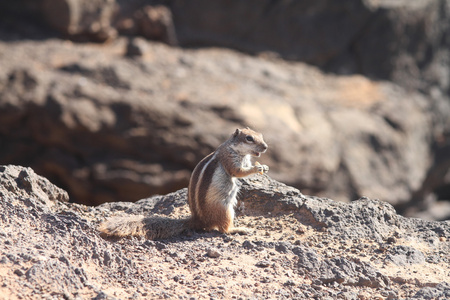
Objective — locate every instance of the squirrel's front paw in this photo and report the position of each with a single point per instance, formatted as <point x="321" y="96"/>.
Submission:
<point x="261" y="168"/>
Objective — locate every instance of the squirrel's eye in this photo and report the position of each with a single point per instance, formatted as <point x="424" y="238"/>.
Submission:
<point x="249" y="138"/>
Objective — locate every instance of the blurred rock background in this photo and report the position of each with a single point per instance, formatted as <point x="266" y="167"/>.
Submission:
<point x="117" y="100"/>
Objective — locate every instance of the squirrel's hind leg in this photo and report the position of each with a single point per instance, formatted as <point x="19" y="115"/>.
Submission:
<point x="228" y="227"/>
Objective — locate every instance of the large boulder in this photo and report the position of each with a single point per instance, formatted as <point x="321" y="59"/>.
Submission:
<point x="106" y="127"/>
<point x="402" y="41"/>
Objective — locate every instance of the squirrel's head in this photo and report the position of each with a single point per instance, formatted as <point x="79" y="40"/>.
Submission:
<point x="246" y="141"/>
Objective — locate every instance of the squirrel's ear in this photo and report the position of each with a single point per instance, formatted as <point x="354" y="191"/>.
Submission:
<point x="236" y="133"/>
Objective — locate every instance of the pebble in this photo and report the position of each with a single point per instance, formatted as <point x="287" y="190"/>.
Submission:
<point x="263" y="264"/>
<point x="213" y="253"/>
<point x="391" y="240"/>
<point x="136" y="47"/>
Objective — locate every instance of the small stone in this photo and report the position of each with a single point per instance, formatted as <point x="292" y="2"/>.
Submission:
<point x="301" y="229"/>
<point x="136" y="47"/>
<point x="227" y="239"/>
<point x="248" y="245"/>
<point x="289" y="282"/>
<point x="179" y="278"/>
<point x="4" y="260"/>
<point x="101" y="296"/>
<point x="263" y="264"/>
<point x="160" y="246"/>
<point x="213" y="253"/>
<point x="391" y="240"/>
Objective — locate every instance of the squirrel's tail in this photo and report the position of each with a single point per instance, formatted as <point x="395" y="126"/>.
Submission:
<point x="152" y="228"/>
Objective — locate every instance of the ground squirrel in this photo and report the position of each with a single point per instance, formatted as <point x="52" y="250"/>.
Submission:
<point x="211" y="193"/>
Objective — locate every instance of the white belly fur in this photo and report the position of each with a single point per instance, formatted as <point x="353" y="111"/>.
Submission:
<point x="222" y="189"/>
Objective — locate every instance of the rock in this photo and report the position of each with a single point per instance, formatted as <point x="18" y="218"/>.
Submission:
<point x="339" y="270"/>
<point x="55" y="275"/>
<point x="294" y="30"/>
<point x="442" y="290"/>
<point x="57" y="249"/>
<point x="283" y="247"/>
<point x="307" y="258"/>
<point x="437" y="179"/>
<point x="156" y="23"/>
<point x="120" y="129"/>
<point x="213" y="253"/>
<point x="24" y="182"/>
<point x="404" y="255"/>
<point x="348" y="272"/>
<point x="371" y="37"/>
<point x="323" y="213"/>
<point x="136" y="47"/>
<point x="79" y="18"/>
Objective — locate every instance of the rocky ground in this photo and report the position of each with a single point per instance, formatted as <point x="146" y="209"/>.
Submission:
<point x="302" y="247"/>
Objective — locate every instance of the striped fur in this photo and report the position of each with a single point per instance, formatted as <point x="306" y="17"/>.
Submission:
<point x="213" y="189"/>
<point x="198" y="177"/>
